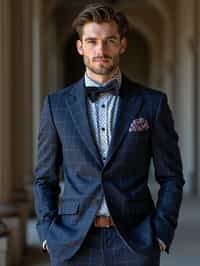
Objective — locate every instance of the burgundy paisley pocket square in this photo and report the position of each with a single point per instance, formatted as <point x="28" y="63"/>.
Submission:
<point x="138" y="125"/>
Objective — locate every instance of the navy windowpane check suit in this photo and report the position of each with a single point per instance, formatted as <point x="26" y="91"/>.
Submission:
<point x="65" y="142"/>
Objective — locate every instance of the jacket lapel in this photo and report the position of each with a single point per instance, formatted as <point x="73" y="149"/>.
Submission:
<point x="77" y="105"/>
<point x="130" y="103"/>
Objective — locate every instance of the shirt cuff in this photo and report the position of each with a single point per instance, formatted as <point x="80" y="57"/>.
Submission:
<point x="44" y="246"/>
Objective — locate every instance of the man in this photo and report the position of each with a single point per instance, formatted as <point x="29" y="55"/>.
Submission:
<point x="102" y="131"/>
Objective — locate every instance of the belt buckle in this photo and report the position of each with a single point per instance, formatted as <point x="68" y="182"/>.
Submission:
<point x="107" y="225"/>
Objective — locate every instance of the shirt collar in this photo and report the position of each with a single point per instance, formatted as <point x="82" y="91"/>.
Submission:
<point x="90" y="82"/>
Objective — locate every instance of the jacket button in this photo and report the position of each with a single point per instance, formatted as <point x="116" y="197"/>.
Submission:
<point x="95" y="202"/>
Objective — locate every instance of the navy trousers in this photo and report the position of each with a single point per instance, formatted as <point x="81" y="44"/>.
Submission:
<point x="104" y="247"/>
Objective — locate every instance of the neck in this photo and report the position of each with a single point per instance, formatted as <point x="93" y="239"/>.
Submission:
<point x="101" y="78"/>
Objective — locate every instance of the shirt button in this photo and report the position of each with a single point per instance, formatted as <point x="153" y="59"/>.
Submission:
<point x="97" y="201"/>
<point x="103" y="105"/>
<point x="103" y="128"/>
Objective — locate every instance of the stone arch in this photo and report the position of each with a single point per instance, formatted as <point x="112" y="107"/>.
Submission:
<point x="162" y="64"/>
<point x="162" y="68"/>
<point x="153" y="47"/>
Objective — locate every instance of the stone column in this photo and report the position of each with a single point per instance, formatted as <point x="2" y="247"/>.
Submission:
<point x="184" y="85"/>
<point x="5" y="127"/>
<point x="21" y="110"/>
<point x="5" y="103"/>
<point x="22" y="97"/>
<point x="13" y="149"/>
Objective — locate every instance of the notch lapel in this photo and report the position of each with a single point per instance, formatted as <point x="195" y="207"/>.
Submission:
<point x="130" y="103"/>
<point x="77" y="105"/>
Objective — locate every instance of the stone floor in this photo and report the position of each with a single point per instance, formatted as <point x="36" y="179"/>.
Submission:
<point x="185" y="250"/>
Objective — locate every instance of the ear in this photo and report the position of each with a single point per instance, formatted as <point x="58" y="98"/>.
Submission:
<point x="123" y="45"/>
<point x="79" y="47"/>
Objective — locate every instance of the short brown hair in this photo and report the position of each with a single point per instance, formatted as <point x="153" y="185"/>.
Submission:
<point x="99" y="13"/>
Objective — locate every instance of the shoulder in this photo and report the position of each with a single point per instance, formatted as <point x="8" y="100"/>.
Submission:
<point x="153" y="99"/>
<point x="149" y="94"/>
<point x="154" y="96"/>
<point x="147" y="91"/>
<point x="58" y="96"/>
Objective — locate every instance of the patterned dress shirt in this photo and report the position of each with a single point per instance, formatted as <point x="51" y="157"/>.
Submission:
<point x="102" y="116"/>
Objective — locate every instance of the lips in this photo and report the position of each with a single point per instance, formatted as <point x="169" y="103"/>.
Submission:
<point x="101" y="60"/>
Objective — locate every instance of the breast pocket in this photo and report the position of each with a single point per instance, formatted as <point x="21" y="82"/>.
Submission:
<point x="139" y="140"/>
<point x="138" y="134"/>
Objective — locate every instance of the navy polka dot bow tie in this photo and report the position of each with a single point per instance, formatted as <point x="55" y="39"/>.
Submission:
<point x="93" y="92"/>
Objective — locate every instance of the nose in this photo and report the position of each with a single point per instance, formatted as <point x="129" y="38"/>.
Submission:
<point x="100" y="48"/>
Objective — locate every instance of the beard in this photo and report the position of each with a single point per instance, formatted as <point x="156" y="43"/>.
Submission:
<point x="102" y="68"/>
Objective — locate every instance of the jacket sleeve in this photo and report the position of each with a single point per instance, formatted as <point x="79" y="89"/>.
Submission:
<point x="168" y="172"/>
<point x="46" y="185"/>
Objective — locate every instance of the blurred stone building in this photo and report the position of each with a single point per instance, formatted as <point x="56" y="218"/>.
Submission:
<point x="37" y="55"/>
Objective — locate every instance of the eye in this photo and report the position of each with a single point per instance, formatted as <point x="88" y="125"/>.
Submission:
<point x="111" y="40"/>
<point x="91" y="41"/>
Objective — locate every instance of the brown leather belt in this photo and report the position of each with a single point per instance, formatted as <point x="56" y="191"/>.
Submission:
<point x="103" y="221"/>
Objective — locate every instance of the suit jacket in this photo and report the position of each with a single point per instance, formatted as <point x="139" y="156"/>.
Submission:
<point x="65" y="142"/>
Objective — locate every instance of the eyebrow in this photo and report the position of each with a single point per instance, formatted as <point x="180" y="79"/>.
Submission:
<point x="108" y="37"/>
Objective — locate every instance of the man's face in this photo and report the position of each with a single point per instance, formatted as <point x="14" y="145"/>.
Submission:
<point x="101" y="47"/>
